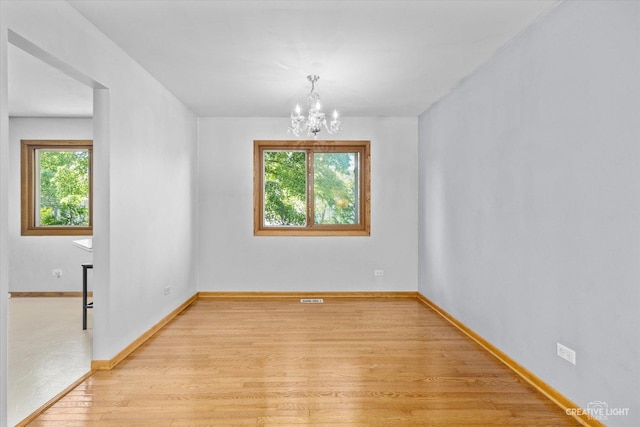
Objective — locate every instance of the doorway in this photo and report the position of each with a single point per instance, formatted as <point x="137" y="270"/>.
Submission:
<point x="47" y="348"/>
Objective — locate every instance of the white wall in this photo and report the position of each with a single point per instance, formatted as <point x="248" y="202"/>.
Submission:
<point x="530" y="202"/>
<point x="4" y="216"/>
<point x="145" y="183"/>
<point x="232" y="259"/>
<point x="33" y="258"/>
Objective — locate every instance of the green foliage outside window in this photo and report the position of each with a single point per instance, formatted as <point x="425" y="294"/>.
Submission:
<point x="285" y="183"/>
<point x="64" y="187"/>
<point x="334" y="186"/>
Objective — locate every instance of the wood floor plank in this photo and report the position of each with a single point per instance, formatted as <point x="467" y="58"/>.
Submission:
<point x="267" y="362"/>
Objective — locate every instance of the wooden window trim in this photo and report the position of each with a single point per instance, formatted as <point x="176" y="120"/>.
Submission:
<point x="27" y="188"/>
<point x="361" y="229"/>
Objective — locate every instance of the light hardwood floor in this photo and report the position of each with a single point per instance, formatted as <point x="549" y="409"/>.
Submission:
<point x="258" y="362"/>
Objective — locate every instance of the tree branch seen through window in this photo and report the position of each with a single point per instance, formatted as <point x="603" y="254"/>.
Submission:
<point x="311" y="188"/>
<point x="56" y="187"/>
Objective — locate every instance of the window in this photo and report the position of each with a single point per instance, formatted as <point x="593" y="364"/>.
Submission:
<point x="56" y="187"/>
<point x="318" y="188"/>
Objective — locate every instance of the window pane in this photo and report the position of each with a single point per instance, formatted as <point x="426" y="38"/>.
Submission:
<point x="285" y="199"/>
<point x="336" y="188"/>
<point x="62" y="190"/>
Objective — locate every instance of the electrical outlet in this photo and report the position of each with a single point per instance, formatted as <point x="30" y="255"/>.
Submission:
<point x="378" y="273"/>
<point x="167" y="290"/>
<point x="566" y="353"/>
<point x="57" y="272"/>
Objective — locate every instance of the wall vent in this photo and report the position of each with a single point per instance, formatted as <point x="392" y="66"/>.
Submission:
<point x="312" y="301"/>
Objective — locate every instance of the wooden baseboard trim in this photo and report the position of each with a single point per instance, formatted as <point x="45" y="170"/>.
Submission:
<point x="38" y="294"/>
<point x="106" y="365"/>
<point x="552" y="394"/>
<point x="322" y="294"/>
<point x="53" y="400"/>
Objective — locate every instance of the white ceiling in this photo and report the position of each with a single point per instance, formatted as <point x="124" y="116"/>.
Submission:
<point x="36" y="89"/>
<point x="251" y="58"/>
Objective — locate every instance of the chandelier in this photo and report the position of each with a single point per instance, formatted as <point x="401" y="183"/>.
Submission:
<point x="315" y="120"/>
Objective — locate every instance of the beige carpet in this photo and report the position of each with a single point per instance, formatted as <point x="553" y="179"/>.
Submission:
<point x="48" y="351"/>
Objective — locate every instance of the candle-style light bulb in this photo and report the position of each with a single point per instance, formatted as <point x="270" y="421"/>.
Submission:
<point x="297" y="109"/>
<point x="335" y="114"/>
<point x="318" y="105"/>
